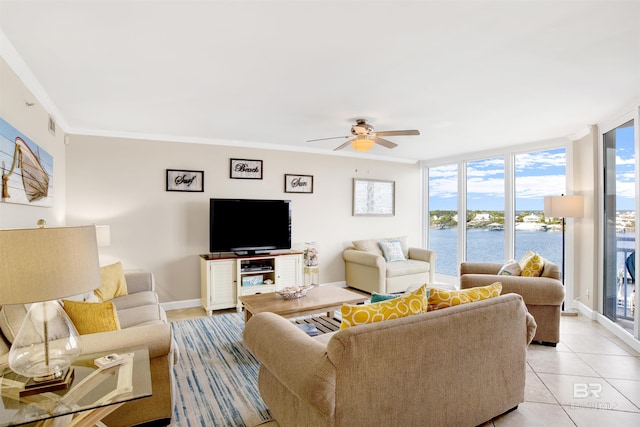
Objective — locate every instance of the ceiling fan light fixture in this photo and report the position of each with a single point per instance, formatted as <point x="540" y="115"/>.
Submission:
<point x="362" y="143"/>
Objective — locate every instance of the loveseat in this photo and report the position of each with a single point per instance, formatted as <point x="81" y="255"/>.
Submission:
<point x="367" y="269"/>
<point x="143" y="322"/>
<point x="458" y="366"/>
<point x="542" y="295"/>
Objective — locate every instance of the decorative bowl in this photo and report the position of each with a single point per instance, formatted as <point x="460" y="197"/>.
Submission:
<point x="294" y="292"/>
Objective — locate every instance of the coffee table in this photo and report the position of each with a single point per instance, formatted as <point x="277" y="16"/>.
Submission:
<point x="326" y="298"/>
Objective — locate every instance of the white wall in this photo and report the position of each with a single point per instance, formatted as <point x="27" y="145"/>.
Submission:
<point x="33" y="121"/>
<point x="121" y="182"/>
<point x="585" y="247"/>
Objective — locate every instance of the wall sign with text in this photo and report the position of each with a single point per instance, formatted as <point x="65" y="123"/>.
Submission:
<point x="184" y="180"/>
<point x="245" y="169"/>
<point x="298" y="183"/>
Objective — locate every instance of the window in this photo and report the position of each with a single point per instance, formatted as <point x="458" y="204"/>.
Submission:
<point x="538" y="174"/>
<point x="502" y="200"/>
<point x="485" y="210"/>
<point x="443" y="217"/>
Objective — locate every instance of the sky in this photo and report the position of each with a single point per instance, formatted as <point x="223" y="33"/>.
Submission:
<point x="537" y="174"/>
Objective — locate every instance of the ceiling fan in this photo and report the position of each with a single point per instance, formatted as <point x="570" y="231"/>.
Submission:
<point x="363" y="137"/>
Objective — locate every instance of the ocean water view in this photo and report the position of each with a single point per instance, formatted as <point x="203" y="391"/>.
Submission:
<point x="484" y="245"/>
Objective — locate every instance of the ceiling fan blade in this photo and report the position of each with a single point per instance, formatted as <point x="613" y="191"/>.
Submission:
<point x="343" y="145"/>
<point x="397" y="132"/>
<point x="384" y="142"/>
<point x="324" y="139"/>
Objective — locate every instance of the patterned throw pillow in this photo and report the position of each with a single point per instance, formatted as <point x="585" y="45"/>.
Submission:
<point x="441" y="298"/>
<point x="511" y="268"/>
<point x="92" y="317"/>
<point x="406" y="305"/>
<point x="531" y="264"/>
<point x="392" y="251"/>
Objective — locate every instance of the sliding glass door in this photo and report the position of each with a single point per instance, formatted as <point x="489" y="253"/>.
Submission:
<point x="619" y="287"/>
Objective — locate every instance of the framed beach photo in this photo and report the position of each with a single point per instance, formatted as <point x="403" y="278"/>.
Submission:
<point x="372" y="197"/>
<point x="185" y="180"/>
<point x="298" y="183"/>
<point x="245" y="169"/>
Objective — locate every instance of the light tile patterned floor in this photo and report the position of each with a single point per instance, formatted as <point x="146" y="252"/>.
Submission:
<point x="591" y="379"/>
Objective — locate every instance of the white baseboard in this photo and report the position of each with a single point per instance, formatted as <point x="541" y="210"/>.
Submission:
<point x="192" y="303"/>
<point x="619" y="332"/>
<point x="179" y="305"/>
<point x="616" y="330"/>
<point x="584" y="310"/>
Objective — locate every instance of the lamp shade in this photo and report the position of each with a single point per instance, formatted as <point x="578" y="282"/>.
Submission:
<point x="564" y="206"/>
<point x="43" y="264"/>
<point x="103" y="235"/>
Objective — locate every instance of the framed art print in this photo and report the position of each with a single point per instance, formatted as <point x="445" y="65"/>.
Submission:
<point x="373" y="197"/>
<point x="185" y="180"/>
<point x="298" y="183"/>
<point x="245" y="169"/>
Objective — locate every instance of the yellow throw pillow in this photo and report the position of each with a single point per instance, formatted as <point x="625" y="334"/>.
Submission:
<point x="406" y="305"/>
<point x="441" y="298"/>
<point x="532" y="266"/>
<point x="113" y="282"/>
<point x="92" y="317"/>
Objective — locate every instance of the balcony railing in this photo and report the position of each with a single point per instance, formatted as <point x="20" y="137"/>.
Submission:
<point x="626" y="285"/>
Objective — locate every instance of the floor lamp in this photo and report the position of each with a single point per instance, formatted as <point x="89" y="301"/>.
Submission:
<point x="563" y="207"/>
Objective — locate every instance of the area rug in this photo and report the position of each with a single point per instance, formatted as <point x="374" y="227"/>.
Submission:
<point x="217" y="376"/>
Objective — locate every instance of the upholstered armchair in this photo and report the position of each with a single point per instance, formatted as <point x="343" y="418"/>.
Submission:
<point x="367" y="269"/>
<point x="542" y="295"/>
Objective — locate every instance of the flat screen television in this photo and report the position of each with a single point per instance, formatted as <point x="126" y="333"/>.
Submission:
<point x="249" y="226"/>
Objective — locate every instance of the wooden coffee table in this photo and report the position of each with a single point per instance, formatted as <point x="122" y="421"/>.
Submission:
<point x="327" y="298"/>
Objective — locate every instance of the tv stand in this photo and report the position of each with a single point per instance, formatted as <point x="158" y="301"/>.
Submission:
<point x="225" y="278"/>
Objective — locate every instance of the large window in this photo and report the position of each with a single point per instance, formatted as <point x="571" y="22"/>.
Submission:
<point x="485" y="210"/>
<point x="443" y="217"/>
<point x="538" y="174"/>
<point x="496" y="212"/>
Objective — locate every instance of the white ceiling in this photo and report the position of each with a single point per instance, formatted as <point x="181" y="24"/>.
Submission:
<point x="470" y="76"/>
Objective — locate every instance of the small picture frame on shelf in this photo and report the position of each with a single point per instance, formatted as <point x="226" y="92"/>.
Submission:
<point x="298" y="183"/>
<point x="245" y="169"/>
<point x="185" y="180"/>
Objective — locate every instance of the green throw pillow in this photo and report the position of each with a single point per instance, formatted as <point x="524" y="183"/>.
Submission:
<point x="382" y="297"/>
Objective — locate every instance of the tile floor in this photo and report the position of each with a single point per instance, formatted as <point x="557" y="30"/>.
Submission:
<point x="591" y="379"/>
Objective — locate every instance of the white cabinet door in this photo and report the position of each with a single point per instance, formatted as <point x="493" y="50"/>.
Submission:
<point x="218" y="289"/>
<point x="288" y="271"/>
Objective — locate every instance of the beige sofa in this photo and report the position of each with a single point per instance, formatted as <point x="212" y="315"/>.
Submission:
<point x="144" y="323"/>
<point x="367" y="270"/>
<point x="459" y="366"/>
<point x="542" y="295"/>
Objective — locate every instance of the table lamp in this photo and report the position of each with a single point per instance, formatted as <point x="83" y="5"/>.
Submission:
<point x="38" y="266"/>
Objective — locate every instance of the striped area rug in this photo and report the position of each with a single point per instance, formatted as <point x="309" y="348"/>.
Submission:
<point x="217" y="376"/>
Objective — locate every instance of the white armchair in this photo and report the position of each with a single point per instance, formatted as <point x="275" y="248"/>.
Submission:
<point x="366" y="268"/>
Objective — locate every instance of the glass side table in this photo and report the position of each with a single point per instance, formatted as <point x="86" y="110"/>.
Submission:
<point x="93" y="394"/>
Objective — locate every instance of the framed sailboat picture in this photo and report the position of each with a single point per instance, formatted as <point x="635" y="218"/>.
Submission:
<point x="27" y="169"/>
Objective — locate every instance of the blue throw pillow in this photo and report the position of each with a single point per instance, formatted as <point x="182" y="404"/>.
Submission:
<point x="392" y="251"/>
